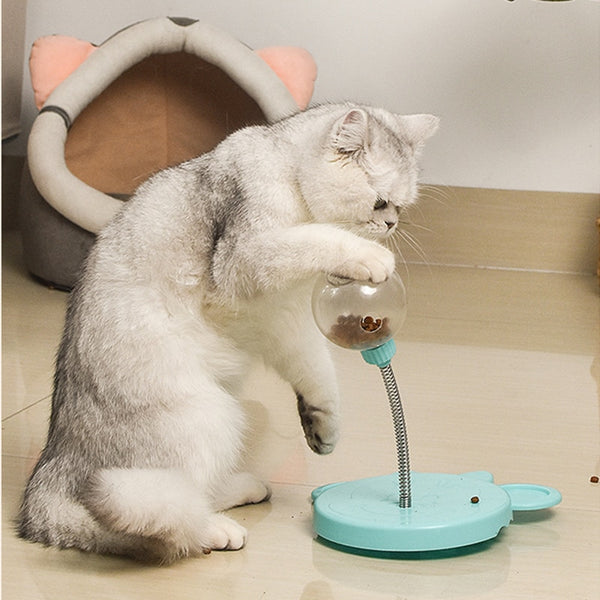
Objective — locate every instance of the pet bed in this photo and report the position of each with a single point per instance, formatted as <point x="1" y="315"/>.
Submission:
<point x="153" y="95"/>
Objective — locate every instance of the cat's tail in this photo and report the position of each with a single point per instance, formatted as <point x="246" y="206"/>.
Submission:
<point x="162" y="507"/>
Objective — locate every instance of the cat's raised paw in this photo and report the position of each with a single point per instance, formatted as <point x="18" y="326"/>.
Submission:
<point x="319" y="425"/>
<point x="369" y="262"/>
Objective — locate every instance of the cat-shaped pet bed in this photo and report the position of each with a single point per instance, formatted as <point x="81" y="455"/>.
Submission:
<point x="153" y="95"/>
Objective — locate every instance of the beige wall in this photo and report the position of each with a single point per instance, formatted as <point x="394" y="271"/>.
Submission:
<point x="517" y="84"/>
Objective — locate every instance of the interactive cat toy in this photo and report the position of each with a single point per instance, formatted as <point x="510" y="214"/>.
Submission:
<point x="404" y="511"/>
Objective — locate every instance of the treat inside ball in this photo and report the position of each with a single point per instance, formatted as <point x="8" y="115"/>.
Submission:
<point x="358" y="314"/>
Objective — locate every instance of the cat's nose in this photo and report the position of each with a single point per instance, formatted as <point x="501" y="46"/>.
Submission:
<point x="389" y="224"/>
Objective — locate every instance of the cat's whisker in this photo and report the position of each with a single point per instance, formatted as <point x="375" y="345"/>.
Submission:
<point x="394" y="246"/>
<point x="439" y="194"/>
<point x="407" y="235"/>
<point x="414" y="244"/>
<point x="408" y="220"/>
<point x="417" y="226"/>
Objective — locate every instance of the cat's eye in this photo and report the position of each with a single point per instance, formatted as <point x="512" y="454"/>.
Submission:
<point x="380" y="203"/>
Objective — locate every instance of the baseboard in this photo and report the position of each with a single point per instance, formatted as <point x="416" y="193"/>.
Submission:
<point x="12" y="168"/>
<point x="521" y="230"/>
<point x="528" y="230"/>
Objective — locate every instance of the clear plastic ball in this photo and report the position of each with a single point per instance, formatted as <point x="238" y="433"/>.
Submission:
<point x="359" y="315"/>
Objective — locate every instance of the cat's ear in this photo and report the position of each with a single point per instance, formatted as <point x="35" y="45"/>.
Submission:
<point x="53" y="58"/>
<point x="419" y="128"/>
<point x="350" y="133"/>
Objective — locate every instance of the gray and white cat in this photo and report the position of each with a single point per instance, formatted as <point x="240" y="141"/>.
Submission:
<point x="207" y="267"/>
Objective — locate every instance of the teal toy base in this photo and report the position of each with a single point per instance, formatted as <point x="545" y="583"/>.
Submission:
<point x="448" y="511"/>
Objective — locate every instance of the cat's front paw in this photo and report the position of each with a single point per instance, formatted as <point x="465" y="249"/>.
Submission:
<point x="369" y="262"/>
<point x="224" y="533"/>
<point x="320" y="427"/>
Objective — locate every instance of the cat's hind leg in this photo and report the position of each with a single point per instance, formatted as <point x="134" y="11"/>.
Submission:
<point x="240" y="489"/>
<point x="50" y="516"/>
<point x="164" y="507"/>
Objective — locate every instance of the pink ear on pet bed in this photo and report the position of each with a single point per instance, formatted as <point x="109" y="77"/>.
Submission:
<point x="295" y="67"/>
<point x="53" y="58"/>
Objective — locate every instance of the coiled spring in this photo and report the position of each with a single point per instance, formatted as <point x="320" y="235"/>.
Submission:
<point x="405" y="499"/>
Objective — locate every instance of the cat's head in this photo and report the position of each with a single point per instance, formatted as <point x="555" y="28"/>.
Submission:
<point x="363" y="170"/>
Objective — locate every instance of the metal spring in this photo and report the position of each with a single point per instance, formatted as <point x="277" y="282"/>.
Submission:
<point x="405" y="499"/>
